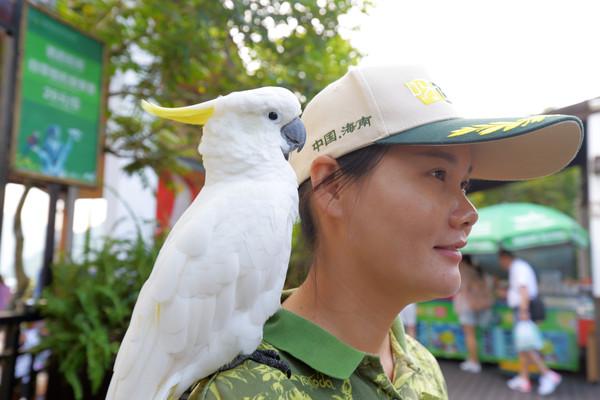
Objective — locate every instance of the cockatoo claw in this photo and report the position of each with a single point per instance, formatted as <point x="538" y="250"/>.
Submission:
<point x="265" y="357"/>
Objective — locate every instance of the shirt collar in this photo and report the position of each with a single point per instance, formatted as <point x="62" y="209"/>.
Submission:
<point x="315" y="346"/>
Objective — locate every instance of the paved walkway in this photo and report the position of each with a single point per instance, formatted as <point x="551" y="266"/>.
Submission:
<point x="490" y="384"/>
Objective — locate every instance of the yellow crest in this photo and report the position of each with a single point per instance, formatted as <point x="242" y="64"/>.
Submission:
<point x="426" y="91"/>
<point x="504" y="126"/>
<point x="196" y="115"/>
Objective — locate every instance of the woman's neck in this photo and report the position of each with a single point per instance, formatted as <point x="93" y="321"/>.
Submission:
<point x="348" y="311"/>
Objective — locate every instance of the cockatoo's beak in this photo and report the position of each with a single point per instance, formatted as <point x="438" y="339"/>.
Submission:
<point x="294" y="134"/>
<point x="197" y="114"/>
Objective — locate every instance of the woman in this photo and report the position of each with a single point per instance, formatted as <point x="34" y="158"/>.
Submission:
<point x="473" y="304"/>
<point x="382" y="201"/>
<point x="522" y="289"/>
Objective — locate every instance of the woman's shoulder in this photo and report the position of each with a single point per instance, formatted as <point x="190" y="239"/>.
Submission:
<point x="249" y="380"/>
<point x="419" y="352"/>
<point x="426" y="364"/>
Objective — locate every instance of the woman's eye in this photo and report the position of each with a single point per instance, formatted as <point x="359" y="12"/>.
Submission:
<point x="439" y="174"/>
<point x="273" y="116"/>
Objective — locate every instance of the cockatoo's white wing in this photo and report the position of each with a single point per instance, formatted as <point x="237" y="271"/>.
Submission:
<point x="216" y="280"/>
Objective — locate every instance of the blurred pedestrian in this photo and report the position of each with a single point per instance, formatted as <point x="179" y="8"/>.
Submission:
<point x="409" y="319"/>
<point x="522" y="289"/>
<point x="473" y="305"/>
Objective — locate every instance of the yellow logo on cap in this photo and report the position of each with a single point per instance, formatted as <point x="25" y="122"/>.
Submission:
<point x="505" y="126"/>
<point x="427" y="92"/>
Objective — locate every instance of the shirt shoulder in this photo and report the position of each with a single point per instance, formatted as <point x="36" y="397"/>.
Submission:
<point x="523" y="272"/>
<point x="249" y="381"/>
<point x="521" y="265"/>
<point x="430" y="375"/>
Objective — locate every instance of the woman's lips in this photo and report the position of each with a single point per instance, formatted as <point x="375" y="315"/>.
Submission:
<point x="449" y="252"/>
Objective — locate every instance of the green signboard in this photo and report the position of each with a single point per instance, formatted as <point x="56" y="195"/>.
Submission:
<point x="60" y="102"/>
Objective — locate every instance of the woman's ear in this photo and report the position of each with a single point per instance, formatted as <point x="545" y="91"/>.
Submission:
<point x="325" y="194"/>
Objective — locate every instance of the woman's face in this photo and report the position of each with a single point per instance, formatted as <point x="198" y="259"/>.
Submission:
<point x="408" y="218"/>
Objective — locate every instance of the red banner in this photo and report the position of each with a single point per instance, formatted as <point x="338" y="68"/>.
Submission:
<point x="174" y="195"/>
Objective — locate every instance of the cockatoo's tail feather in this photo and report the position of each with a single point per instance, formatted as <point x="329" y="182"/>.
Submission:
<point x="197" y="114"/>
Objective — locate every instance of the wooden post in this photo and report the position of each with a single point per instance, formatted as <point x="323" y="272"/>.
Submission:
<point x="593" y="180"/>
<point x="592" y="371"/>
<point x="9" y="59"/>
<point x="66" y="237"/>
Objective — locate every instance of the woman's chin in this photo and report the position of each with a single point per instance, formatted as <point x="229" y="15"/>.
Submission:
<point x="446" y="288"/>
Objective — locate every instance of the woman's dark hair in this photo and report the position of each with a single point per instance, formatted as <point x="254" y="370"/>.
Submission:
<point x="353" y="166"/>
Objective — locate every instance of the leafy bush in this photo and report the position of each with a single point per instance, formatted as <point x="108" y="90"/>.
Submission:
<point x="89" y="305"/>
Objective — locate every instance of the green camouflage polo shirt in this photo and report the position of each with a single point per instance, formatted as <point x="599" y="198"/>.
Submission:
<point x="323" y="367"/>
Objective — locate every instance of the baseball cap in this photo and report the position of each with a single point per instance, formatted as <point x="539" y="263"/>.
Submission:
<point x="394" y="104"/>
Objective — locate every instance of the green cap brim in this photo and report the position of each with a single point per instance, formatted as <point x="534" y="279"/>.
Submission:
<point x="504" y="148"/>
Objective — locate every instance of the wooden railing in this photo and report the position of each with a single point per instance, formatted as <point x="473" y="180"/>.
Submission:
<point x="10" y="326"/>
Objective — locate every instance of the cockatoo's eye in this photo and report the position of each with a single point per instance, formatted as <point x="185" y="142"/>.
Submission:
<point x="273" y="116"/>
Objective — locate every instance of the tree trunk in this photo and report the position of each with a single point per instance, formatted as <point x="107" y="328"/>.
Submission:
<point x="22" y="279"/>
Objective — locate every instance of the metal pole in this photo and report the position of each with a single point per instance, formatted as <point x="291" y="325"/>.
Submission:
<point x="46" y="273"/>
<point x="66" y="240"/>
<point x="9" y="78"/>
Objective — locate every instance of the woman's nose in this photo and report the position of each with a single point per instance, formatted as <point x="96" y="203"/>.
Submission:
<point x="464" y="216"/>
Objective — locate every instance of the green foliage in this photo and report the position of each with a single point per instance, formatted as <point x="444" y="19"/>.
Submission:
<point x="558" y="191"/>
<point x="89" y="305"/>
<point x="186" y="52"/>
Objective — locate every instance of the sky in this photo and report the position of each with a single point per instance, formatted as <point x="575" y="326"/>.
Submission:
<point x="492" y="58"/>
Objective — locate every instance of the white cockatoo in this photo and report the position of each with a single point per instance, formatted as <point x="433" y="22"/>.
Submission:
<point x="220" y="272"/>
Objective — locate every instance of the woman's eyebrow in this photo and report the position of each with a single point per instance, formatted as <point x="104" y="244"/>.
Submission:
<point x="449" y="157"/>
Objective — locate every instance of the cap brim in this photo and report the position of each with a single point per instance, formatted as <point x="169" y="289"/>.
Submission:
<point x="507" y="148"/>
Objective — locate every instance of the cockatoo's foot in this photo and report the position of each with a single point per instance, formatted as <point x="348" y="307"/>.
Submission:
<point x="265" y="357"/>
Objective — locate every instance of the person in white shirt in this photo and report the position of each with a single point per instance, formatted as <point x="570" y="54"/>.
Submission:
<point x="522" y="288"/>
